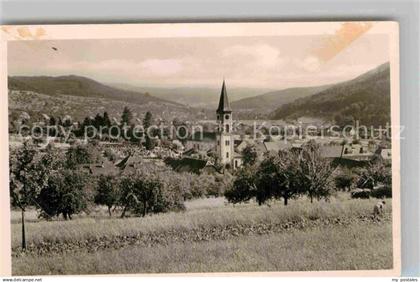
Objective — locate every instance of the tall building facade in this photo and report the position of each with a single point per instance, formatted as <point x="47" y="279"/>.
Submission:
<point x="224" y="135"/>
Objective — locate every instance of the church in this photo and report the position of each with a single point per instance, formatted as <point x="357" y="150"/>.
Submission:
<point x="224" y="136"/>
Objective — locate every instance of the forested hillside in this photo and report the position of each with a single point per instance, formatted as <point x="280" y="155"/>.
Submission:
<point x="365" y="98"/>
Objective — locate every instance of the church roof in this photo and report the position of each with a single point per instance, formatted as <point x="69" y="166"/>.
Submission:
<point x="224" y="105"/>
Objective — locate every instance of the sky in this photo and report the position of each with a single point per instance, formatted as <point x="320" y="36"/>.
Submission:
<point x="274" y="62"/>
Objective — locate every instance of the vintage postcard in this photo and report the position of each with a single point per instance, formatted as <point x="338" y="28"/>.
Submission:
<point x="268" y="148"/>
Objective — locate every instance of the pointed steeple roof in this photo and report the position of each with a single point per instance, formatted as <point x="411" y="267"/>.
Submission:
<point x="224" y="105"/>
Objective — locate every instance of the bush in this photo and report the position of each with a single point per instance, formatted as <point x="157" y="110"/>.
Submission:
<point x="377" y="172"/>
<point x="382" y="192"/>
<point x="360" y="193"/>
<point x="343" y="182"/>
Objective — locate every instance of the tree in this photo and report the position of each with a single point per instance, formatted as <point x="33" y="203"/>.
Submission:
<point x="64" y="194"/>
<point x="286" y="175"/>
<point x="106" y="120"/>
<point x="52" y="121"/>
<point x="147" y="122"/>
<point x="29" y="172"/>
<point x="23" y="185"/>
<point x="98" y="121"/>
<point x="244" y="187"/>
<point x="274" y="178"/>
<point x="314" y="172"/>
<point x="67" y="122"/>
<point x="150" y="143"/>
<point x="249" y="155"/>
<point x="140" y="193"/>
<point x="107" y="192"/>
<point x="277" y="178"/>
<point x="81" y="154"/>
<point x="148" y="191"/>
<point x="126" y="116"/>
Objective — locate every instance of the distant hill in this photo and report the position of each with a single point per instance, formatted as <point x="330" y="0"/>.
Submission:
<point x="202" y="97"/>
<point x="80" y="97"/>
<point x="365" y="98"/>
<point x="270" y="101"/>
<point x="77" y="86"/>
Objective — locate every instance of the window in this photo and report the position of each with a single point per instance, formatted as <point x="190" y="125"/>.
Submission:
<point x="236" y="163"/>
<point x="227" y="154"/>
<point x="218" y="142"/>
<point x="227" y="128"/>
<point x="227" y="142"/>
<point x="226" y="116"/>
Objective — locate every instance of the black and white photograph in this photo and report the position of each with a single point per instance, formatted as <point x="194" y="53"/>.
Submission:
<point x="203" y="148"/>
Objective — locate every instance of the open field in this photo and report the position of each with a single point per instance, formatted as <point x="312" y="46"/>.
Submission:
<point x="212" y="236"/>
<point x="351" y="247"/>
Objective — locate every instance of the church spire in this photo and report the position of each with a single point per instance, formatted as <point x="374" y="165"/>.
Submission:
<point x="224" y="105"/>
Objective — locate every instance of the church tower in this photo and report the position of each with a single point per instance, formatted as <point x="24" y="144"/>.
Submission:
<point x="224" y="134"/>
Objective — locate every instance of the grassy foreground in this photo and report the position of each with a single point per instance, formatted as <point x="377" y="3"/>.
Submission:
<point x="85" y="228"/>
<point x="339" y="248"/>
<point x="211" y="236"/>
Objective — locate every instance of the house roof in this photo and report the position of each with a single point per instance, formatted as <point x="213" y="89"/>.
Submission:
<point x="190" y="152"/>
<point x="104" y="168"/>
<point x="224" y="105"/>
<point x="331" y="151"/>
<point x="277" y="146"/>
<point x="237" y="155"/>
<point x="121" y="164"/>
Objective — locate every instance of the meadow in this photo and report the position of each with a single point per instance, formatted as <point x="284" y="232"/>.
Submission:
<point x="211" y="236"/>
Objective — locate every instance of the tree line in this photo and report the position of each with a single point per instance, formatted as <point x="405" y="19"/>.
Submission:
<point x="290" y="174"/>
<point x="58" y="184"/>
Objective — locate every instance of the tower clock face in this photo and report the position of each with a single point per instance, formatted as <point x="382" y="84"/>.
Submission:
<point x="226" y="116"/>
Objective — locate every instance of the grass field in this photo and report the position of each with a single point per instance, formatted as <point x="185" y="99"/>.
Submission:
<point x="212" y="236"/>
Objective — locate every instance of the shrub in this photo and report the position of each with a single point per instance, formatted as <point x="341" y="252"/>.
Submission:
<point x="380" y="192"/>
<point x="377" y="172"/>
<point x="360" y="193"/>
<point x="344" y="182"/>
